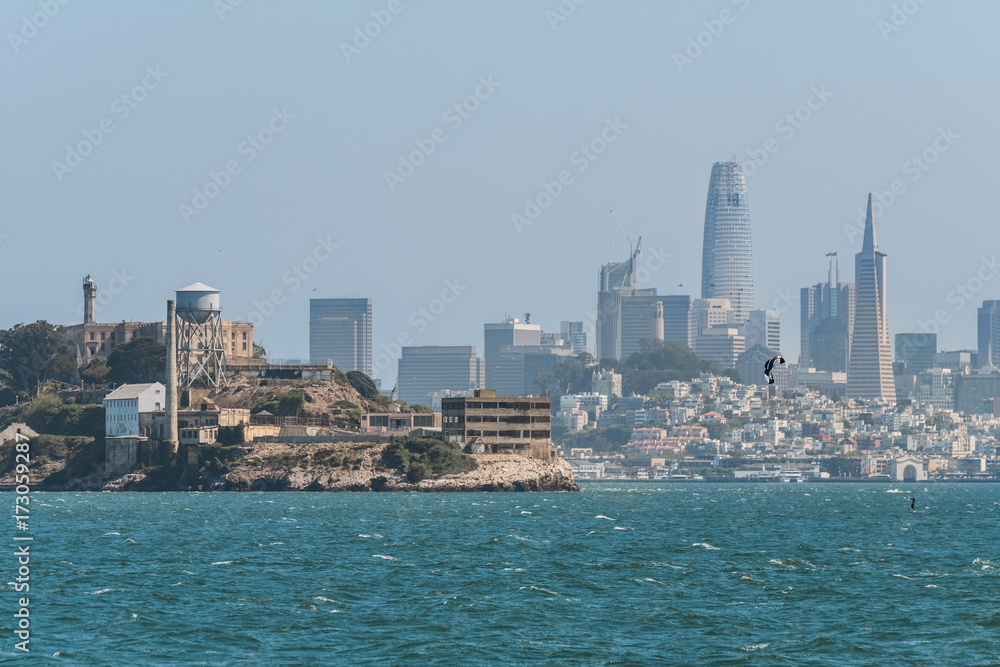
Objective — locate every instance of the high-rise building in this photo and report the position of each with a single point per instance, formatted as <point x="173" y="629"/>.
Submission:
<point x="869" y="374"/>
<point x="727" y="252"/>
<point x="677" y="321"/>
<point x="498" y="335"/>
<point x="573" y="333"/>
<point x="515" y="367"/>
<point x="438" y="369"/>
<point x="989" y="333"/>
<point x="827" y="319"/>
<point x="763" y="328"/>
<point x="340" y="330"/>
<point x="612" y="328"/>
<point x="916" y="351"/>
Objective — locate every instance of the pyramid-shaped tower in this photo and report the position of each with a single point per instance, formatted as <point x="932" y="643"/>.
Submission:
<point x="870" y="372"/>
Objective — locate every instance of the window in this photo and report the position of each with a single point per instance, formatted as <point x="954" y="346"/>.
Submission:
<point x="102" y="338"/>
<point x="112" y="335"/>
<point x="244" y="335"/>
<point x="244" y="347"/>
<point x="102" y="344"/>
<point x="91" y="335"/>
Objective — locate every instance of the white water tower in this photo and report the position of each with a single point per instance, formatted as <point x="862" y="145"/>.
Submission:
<point x="201" y="348"/>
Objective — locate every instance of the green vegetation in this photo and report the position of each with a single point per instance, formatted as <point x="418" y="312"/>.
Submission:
<point x="140" y="360"/>
<point x="259" y="352"/>
<point x="95" y="372"/>
<point x="47" y="414"/>
<point x="286" y="404"/>
<point x="419" y="407"/>
<point x="33" y="353"/>
<point x="423" y="458"/>
<point x="362" y="384"/>
<point x="661" y="361"/>
<point x="608" y="440"/>
<point x="231" y="435"/>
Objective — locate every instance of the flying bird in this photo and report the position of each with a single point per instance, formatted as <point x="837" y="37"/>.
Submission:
<point x="769" y="366"/>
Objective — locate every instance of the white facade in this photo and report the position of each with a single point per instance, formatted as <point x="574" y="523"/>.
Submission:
<point x="123" y="406"/>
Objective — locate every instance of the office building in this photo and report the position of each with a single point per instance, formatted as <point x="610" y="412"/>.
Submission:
<point x="499" y="335"/>
<point x="870" y="370"/>
<point x="827" y="320"/>
<point x="515" y="367"/>
<point x="340" y="330"/>
<point x="573" y="333"/>
<point x="763" y="328"/>
<point x="428" y="370"/>
<point x="916" y="351"/>
<point x="989" y="333"/>
<point x="727" y="252"/>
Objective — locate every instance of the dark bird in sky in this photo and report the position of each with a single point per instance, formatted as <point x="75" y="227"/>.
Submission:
<point x="769" y="366"/>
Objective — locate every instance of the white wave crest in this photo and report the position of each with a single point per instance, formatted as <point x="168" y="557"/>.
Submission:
<point x="706" y="545"/>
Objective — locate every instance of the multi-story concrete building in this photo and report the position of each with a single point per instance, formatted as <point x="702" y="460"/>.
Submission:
<point x="436" y="369"/>
<point x="126" y="408"/>
<point x="607" y="382"/>
<point x="500" y="335"/>
<point x="500" y="424"/>
<point x="722" y="345"/>
<point x="340" y="330"/>
<point x="515" y="367"/>
<point x="763" y="328"/>
<point x="727" y="252"/>
<point x="870" y="371"/>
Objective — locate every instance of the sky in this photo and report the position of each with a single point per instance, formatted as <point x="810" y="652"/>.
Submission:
<point x="458" y="162"/>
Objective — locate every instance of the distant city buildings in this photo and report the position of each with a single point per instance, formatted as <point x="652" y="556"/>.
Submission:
<point x="916" y="351"/>
<point x="430" y="370"/>
<point x="870" y="370"/>
<point x="827" y="321"/>
<point x="727" y="252"/>
<point x="497" y="336"/>
<point x="340" y="330"/>
<point x="763" y="328"/>
<point x="989" y="333"/>
<point x="573" y="333"/>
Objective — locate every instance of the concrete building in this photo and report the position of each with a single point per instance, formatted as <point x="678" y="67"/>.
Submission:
<point x="916" y="350"/>
<point x="434" y="369"/>
<point x="722" y="345"/>
<point x="607" y="382"/>
<point x="17" y="429"/>
<point x="340" y="330"/>
<point x="127" y="408"/>
<point x="907" y="469"/>
<point x="975" y="392"/>
<point x="959" y="361"/>
<point x="934" y="386"/>
<point x="500" y="424"/>
<point x="727" y="252"/>
<point x="827" y="320"/>
<point x="870" y="371"/>
<point x="610" y="333"/>
<point x="678" y="326"/>
<point x="750" y="364"/>
<point x="399" y="423"/>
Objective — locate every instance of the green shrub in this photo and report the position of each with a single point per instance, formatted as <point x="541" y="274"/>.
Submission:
<point x="422" y="458"/>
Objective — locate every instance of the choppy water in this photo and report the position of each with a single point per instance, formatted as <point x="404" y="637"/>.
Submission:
<point x="616" y="574"/>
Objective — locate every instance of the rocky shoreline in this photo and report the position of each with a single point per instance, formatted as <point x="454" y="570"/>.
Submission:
<point x="279" y="467"/>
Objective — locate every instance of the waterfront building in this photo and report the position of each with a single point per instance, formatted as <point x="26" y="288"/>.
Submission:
<point x="727" y="252"/>
<point x="492" y="424"/>
<point x="870" y="370"/>
<point x="340" y="330"/>
<point x="128" y="408"/>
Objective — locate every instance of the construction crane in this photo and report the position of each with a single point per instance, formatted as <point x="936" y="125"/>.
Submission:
<point x="633" y="253"/>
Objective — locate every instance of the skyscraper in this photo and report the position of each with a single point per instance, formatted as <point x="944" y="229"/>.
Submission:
<point x="573" y="333"/>
<point x="439" y="369"/>
<point x="341" y="330"/>
<point x="870" y="372"/>
<point x="916" y="351"/>
<point x="827" y="312"/>
<point x="727" y="253"/>
<point x="989" y="334"/>
<point x="763" y="328"/>
<point x="499" y="335"/>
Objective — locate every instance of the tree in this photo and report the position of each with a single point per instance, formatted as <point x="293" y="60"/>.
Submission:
<point x="258" y="351"/>
<point x="94" y="372"/>
<point x="362" y="384"/>
<point x="548" y="384"/>
<point x="27" y="352"/>
<point x="420" y="407"/>
<point x="140" y="360"/>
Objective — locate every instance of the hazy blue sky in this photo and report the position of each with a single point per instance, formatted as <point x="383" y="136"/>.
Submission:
<point x="893" y="78"/>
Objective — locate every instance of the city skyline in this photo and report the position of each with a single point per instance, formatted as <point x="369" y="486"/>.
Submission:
<point x="250" y="151"/>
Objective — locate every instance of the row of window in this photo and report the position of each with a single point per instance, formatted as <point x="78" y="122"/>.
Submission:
<point x="507" y="434"/>
<point x="506" y="405"/>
